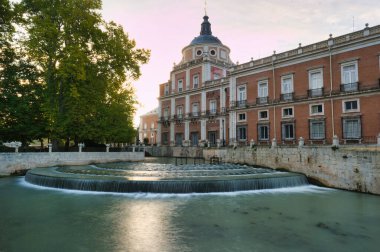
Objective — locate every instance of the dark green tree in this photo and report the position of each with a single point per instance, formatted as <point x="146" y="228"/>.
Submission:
<point x="20" y="87"/>
<point x="86" y="63"/>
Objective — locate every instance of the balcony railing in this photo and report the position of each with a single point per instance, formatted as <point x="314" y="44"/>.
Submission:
<point x="287" y="97"/>
<point x="164" y="118"/>
<point x="316" y="92"/>
<point x="223" y="111"/>
<point x="211" y="112"/>
<point x="241" y="103"/>
<point x="349" y="87"/>
<point x="262" y="100"/>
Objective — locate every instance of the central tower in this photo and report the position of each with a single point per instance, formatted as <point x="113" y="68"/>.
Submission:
<point x="192" y="103"/>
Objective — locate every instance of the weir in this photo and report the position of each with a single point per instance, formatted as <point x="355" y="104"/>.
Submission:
<point x="163" y="178"/>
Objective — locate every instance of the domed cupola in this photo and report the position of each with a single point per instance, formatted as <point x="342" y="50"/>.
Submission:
<point x="205" y="36"/>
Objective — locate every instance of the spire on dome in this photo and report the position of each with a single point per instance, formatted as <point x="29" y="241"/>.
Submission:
<point x="206" y="27"/>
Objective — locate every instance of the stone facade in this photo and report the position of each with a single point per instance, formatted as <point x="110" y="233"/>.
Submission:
<point x="14" y="163"/>
<point x="344" y="168"/>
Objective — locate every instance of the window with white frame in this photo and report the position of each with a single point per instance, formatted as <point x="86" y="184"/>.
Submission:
<point x="351" y="106"/>
<point x="213" y="107"/>
<point x="196" y="81"/>
<point x="288" y="131"/>
<point x="145" y="126"/>
<point x="152" y="125"/>
<point x="242" y="117"/>
<point x="263" y="115"/>
<point x="263" y="132"/>
<point x="179" y="111"/>
<point x="216" y="76"/>
<point x="287" y="112"/>
<point x="287" y="84"/>
<point x="241" y="133"/>
<point x="180" y="85"/>
<point x="242" y="95"/>
<point x="316" y="109"/>
<point x="317" y="129"/>
<point x="351" y="128"/>
<point x="166" y="89"/>
<point x="349" y="72"/>
<point x="262" y="88"/>
<point x="315" y="79"/>
<point x="195" y="109"/>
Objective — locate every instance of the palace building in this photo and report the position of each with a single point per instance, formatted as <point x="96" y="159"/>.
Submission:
<point x="313" y="93"/>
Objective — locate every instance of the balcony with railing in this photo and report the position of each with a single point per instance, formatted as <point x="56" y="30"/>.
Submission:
<point x="287" y="96"/>
<point x="241" y="103"/>
<point x="349" y="87"/>
<point x="262" y="100"/>
<point x="316" y="92"/>
<point x="211" y="112"/>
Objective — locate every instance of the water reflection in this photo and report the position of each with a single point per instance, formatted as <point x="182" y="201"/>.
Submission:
<point x="147" y="225"/>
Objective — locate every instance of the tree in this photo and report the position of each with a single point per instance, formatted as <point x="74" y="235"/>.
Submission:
<point x="86" y="64"/>
<point x="20" y="87"/>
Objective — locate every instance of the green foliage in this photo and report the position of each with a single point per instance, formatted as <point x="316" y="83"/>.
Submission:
<point x="20" y="88"/>
<point x="85" y="65"/>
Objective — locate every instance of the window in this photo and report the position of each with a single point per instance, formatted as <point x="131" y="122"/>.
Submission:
<point x="315" y="79"/>
<point x="195" y="109"/>
<point x="164" y="138"/>
<point x="288" y="131"/>
<point x="351" y="106"/>
<point x="179" y="111"/>
<point x="287" y="112"/>
<point x="145" y="126"/>
<point x="178" y="139"/>
<point x="263" y="115"/>
<point x="180" y="85"/>
<point x="316" y="109"/>
<point x="242" y="117"/>
<point x="351" y="128"/>
<point x="166" y="113"/>
<point x="349" y="72"/>
<point x="317" y="129"/>
<point x="166" y="91"/>
<point x="242" y="133"/>
<point x="194" y="138"/>
<point x="263" y="132"/>
<point x="196" y="81"/>
<point x="242" y="95"/>
<point x="212" y="52"/>
<point x="199" y="52"/>
<point x="216" y="76"/>
<point x="223" y="54"/>
<point x="263" y="88"/>
<point x="213" y="107"/>
<point x="152" y="125"/>
<point x="287" y="84"/>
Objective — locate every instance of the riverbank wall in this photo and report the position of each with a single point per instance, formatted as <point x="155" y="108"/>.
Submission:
<point x="349" y="168"/>
<point x="18" y="163"/>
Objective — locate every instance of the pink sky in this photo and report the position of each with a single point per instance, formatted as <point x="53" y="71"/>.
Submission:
<point x="249" y="28"/>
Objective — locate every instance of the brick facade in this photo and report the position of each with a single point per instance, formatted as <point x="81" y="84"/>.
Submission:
<point x="330" y="88"/>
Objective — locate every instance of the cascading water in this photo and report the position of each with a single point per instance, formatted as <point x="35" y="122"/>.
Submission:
<point x="163" y="178"/>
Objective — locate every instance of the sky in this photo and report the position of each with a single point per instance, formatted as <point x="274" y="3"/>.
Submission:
<point x="250" y="28"/>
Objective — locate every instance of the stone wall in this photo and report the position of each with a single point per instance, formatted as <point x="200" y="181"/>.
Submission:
<point x="14" y="163"/>
<point x="345" y="168"/>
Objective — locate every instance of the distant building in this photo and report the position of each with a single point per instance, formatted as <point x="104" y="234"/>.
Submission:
<point x="330" y="88"/>
<point x="148" y="127"/>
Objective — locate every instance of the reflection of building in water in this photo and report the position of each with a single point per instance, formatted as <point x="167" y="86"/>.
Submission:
<point x="148" y="127"/>
<point x="316" y="91"/>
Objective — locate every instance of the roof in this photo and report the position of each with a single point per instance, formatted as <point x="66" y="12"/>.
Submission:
<point x="205" y="36"/>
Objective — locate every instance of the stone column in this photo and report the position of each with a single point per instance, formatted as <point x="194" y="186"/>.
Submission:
<point x="187" y="79"/>
<point x="107" y="147"/>
<point x="274" y="143"/>
<point x="50" y="146"/>
<point x="186" y="142"/>
<point x="173" y="83"/>
<point x="232" y="121"/>
<point x="80" y="145"/>
<point x="335" y="141"/>
<point x="203" y="131"/>
<point x="187" y="105"/>
<point x="158" y="135"/>
<point x="172" y="134"/>
<point x="222" y="130"/>
<point x="301" y="142"/>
